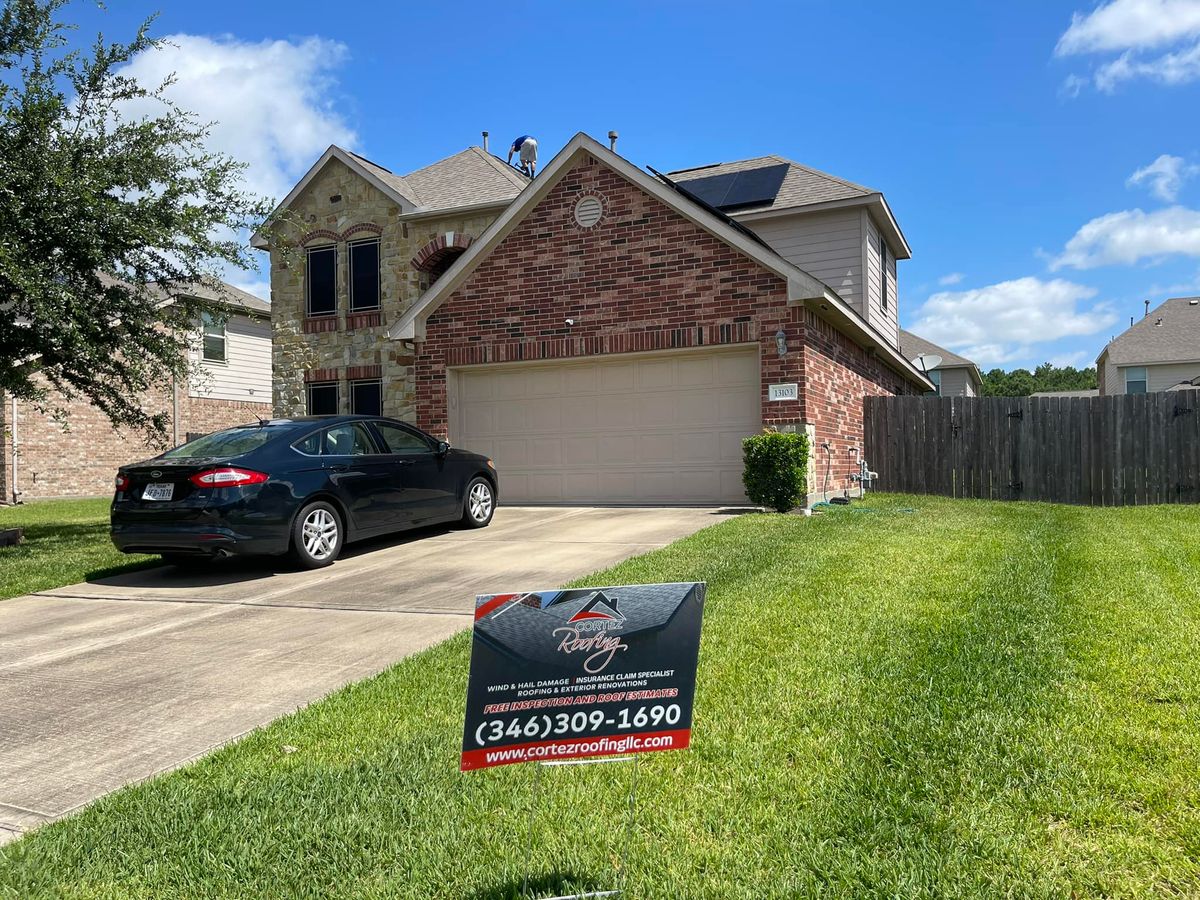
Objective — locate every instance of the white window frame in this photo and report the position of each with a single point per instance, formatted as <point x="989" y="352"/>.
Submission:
<point x="1145" y="379"/>
<point x="208" y="323"/>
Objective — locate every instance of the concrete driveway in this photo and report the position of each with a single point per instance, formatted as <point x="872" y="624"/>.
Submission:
<point x="112" y="681"/>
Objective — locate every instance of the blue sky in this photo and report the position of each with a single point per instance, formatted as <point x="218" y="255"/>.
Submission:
<point x="1007" y="138"/>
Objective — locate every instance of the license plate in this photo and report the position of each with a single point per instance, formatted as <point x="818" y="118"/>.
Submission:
<point x="158" y="492"/>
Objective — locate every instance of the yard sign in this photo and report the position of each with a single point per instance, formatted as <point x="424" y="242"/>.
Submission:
<point x="587" y="672"/>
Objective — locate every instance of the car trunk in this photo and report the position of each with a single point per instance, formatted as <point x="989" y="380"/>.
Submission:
<point x="163" y="489"/>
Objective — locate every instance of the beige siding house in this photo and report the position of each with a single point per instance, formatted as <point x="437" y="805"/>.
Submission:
<point x="955" y="376"/>
<point x="1161" y="352"/>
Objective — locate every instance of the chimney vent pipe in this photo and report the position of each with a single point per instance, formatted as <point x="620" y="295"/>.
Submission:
<point x="485" y="146"/>
<point x="1147" y="302"/>
<point x="612" y="141"/>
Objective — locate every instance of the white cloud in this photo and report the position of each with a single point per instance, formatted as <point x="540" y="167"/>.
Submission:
<point x="1078" y="359"/>
<point x="1169" y="69"/>
<point x="1130" y="236"/>
<point x="1135" y="28"/>
<point x="1130" y="24"/>
<point x="951" y="279"/>
<point x="1165" y="176"/>
<point x="999" y="323"/>
<point x="270" y="102"/>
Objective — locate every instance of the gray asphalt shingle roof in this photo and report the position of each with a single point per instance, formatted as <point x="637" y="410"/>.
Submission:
<point x="913" y="345"/>
<point x="1171" y="333"/>
<point x="469" y="178"/>
<point x="801" y="186"/>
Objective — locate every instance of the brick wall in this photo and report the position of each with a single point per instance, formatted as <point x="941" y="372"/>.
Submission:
<point x="78" y="458"/>
<point x="838" y="374"/>
<point x="644" y="278"/>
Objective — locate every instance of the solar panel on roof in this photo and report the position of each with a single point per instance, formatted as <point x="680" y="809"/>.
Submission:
<point x="749" y="188"/>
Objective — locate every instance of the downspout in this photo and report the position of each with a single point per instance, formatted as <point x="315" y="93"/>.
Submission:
<point x="16" y="491"/>
<point x="174" y="411"/>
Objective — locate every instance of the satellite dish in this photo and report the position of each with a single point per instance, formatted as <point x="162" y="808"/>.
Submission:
<point x="926" y="362"/>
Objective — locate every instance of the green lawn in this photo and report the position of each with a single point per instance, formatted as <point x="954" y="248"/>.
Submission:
<point x="66" y="541"/>
<point x="970" y="699"/>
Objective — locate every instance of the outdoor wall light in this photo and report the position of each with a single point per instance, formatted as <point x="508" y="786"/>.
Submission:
<point x="781" y="342"/>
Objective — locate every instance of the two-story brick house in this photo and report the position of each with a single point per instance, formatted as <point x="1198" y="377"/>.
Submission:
<point x="608" y="335"/>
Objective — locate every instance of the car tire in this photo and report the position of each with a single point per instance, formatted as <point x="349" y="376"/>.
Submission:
<point x="479" y="503"/>
<point x="317" y="535"/>
<point x="189" y="562"/>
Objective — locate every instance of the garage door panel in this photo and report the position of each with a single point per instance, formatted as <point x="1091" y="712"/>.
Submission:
<point x="646" y="429"/>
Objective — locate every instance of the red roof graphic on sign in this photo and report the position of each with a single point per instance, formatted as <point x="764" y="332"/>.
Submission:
<point x="599" y="607"/>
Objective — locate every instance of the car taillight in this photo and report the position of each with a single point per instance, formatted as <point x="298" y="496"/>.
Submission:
<point x="227" y="478"/>
<point x="122" y="481"/>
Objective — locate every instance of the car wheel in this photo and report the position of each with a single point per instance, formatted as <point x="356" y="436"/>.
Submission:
<point x="479" y="503"/>
<point x="317" y="535"/>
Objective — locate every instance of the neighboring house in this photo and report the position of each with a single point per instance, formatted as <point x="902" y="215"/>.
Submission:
<point x="1160" y="352"/>
<point x="79" y="457"/>
<point x="605" y="334"/>
<point x="954" y="376"/>
<point x="1087" y="392"/>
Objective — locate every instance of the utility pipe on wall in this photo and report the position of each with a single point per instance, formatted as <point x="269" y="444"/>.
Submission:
<point x="16" y="491"/>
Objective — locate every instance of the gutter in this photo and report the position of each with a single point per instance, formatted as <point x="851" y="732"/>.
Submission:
<point x="16" y="491"/>
<point x="450" y="211"/>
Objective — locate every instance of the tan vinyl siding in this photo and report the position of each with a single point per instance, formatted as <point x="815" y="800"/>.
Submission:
<point x="246" y="373"/>
<point x="1159" y="377"/>
<point x="885" y="320"/>
<point x="957" y="383"/>
<point x="827" y="245"/>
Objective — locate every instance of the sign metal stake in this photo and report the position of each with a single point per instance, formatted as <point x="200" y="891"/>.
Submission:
<point x="533" y="806"/>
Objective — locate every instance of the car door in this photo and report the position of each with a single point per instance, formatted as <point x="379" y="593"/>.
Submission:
<point x="427" y="484"/>
<point x="363" y="476"/>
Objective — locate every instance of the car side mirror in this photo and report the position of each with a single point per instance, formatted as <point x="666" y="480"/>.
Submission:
<point x="443" y="448"/>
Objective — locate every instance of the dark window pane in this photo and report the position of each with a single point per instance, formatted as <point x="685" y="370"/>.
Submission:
<point x="401" y="440"/>
<point x="366" y="398"/>
<point x="348" y="440"/>
<point x="322" y="281"/>
<point x="323" y="399"/>
<point x="310" y="445"/>
<point x="230" y="442"/>
<point x="364" y="275"/>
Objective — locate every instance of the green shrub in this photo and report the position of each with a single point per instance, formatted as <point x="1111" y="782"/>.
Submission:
<point x="776" y="469"/>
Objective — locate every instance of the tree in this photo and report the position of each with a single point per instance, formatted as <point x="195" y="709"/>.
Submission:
<point x="1046" y="377"/>
<point x="100" y="208"/>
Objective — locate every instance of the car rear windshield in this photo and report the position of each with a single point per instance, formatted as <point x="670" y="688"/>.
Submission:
<point x="231" y="442"/>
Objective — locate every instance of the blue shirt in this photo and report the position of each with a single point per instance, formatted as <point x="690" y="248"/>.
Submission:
<point x="516" y="145"/>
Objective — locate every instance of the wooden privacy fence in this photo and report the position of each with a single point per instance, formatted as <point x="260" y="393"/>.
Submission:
<point x="1100" y="451"/>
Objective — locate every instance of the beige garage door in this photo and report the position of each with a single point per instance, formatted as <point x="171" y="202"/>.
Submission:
<point x="663" y="428"/>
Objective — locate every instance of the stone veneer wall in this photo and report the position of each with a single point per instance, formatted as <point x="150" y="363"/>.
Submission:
<point x="346" y="345"/>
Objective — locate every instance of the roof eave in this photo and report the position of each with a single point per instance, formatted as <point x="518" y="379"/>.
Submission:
<point x="456" y="210"/>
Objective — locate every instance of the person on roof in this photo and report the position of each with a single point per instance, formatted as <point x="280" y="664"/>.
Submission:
<point x="527" y="148"/>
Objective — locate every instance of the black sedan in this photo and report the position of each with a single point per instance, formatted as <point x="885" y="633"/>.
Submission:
<point x="305" y="486"/>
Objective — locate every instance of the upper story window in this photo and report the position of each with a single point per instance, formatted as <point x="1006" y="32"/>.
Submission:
<point x="213" y="338"/>
<point x="935" y="376"/>
<point x="1135" y="380"/>
<point x="364" y="275"/>
<point x="883" y="270"/>
<point x="321" y="281"/>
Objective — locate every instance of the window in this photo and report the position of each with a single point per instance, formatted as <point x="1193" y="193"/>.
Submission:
<point x="321" y="281"/>
<point x="402" y="440"/>
<point x="366" y="398"/>
<point x="883" y="272"/>
<point x="348" y="440"/>
<point x="936" y="377"/>
<point x="1135" y="380"/>
<point x="213" y="331"/>
<point x="323" y="398"/>
<point x="364" y="275"/>
<point x="230" y="442"/>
